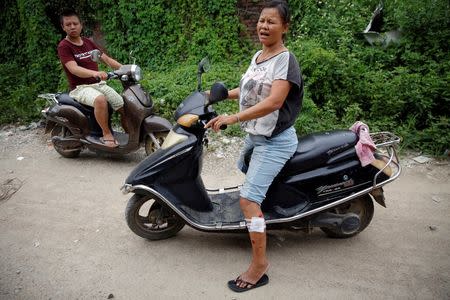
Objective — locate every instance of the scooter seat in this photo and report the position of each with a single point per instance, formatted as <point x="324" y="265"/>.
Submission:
<point x="64" y="98"/>
<point x="318" y="149"/>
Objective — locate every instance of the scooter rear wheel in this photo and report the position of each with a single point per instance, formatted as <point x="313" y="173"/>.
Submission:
<point x="147" y="218"/>
<point x="64" y="132"/>
<point x="362" y="206"/>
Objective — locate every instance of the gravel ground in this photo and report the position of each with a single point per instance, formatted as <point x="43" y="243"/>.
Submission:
<point x="63" y="235"/>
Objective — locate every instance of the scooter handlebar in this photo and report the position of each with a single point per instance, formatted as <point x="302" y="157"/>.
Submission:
<point x="109" y="75"/>
<point x="112" y="75"/>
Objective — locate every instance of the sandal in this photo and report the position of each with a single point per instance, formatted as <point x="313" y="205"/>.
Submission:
<point x="109" y="143"/>
<point x="233" y="284"/>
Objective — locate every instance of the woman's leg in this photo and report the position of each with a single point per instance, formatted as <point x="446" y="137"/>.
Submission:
<point x="259" y="262"/>
<point x="268" y="158"/>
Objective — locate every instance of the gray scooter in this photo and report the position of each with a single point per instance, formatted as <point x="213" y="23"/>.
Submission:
<point x="73" y="126"/>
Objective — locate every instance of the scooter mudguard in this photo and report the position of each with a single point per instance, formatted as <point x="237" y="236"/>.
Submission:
<point x="156" y="124"/>
<point x="70" y="117"/>
<point x="94" y="128"/>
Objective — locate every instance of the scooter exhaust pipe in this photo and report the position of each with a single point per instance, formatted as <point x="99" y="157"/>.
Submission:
<point x="346" y="224"/>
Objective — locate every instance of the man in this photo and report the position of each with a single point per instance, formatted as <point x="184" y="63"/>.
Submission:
<point x="86" y="82"/>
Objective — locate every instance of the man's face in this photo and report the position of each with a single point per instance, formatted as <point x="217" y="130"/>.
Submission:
<point x="72" y="26"/>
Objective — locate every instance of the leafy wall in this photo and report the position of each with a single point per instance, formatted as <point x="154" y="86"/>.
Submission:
<point x="403" y="87"/>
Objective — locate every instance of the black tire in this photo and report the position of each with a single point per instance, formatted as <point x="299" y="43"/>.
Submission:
<point x="150" y="145"/>
<point x="362" y="206"/>
<point x="148" y="219"/>
<point x="64" y="132"/>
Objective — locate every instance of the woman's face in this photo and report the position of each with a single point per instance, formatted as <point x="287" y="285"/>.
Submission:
<point x="270" y="27"/>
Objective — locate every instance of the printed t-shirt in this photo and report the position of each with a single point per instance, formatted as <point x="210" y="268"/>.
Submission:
<point x="82" y="56"/>
<point x="256" y="84"/>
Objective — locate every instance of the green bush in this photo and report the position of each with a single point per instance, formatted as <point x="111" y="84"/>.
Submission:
<point x="402" y="87"/>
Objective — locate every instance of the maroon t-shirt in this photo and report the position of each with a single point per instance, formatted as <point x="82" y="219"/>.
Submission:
<point x="82" y="56"/>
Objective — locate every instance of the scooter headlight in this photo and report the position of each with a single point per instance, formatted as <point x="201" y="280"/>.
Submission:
<point x="136" y="73"/>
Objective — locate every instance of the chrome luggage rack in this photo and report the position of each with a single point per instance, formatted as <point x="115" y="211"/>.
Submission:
<point x="384" y="138"/>
<point x="386" y="143"/>
<point x="50" y="97"/>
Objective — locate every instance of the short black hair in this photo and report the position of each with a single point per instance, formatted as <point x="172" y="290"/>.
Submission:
<point x="282" y="7"/>
<point x="67" y="12"/>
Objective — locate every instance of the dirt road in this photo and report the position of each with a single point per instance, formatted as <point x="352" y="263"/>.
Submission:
<point x="63" y="236"/>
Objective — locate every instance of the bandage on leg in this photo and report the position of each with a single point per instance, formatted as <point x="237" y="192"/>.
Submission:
<point x="256" y="224"/>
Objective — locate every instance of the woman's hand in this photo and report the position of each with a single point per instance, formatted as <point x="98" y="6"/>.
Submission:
<point x="221" y="120"/>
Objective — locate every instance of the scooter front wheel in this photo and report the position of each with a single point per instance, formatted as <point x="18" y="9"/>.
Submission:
<point x="147" y="218"/>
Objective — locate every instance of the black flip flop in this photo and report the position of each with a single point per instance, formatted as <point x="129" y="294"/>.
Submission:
<point x="232" y="284"/>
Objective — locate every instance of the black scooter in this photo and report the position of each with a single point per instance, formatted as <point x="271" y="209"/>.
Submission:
<point x="323" y="185"/>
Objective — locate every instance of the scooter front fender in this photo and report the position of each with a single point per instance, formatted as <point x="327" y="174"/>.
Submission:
<point x="156" y="124"/>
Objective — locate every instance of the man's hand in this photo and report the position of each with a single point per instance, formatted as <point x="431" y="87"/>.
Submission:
<point x="100" y="75"/>
<point x="83" y="72"/>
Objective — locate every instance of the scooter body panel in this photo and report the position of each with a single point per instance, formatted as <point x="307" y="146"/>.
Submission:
<point x="312" y="189"/>
<point x="175" y="173"/>
<point x="143" y="97"/>
<point x="93" y="128"/>
<point x="156" y="124"/>
<point x="69" y="117"/>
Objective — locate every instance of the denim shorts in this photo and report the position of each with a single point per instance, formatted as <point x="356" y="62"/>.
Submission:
<point x="87" y="93"/>
<point x="268" y="156"/>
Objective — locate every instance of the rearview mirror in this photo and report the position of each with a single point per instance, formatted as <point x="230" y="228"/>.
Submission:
<point x="95" y="55"/>
<point x="204" y="65"/>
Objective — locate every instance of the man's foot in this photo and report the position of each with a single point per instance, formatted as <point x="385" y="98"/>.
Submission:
<point x="111" y="143"/>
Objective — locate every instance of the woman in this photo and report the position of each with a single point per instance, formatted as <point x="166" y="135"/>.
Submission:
<point x="270" y="96"/>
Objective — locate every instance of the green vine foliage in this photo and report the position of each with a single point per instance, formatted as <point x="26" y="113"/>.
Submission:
<point x="403" y="87"/>
<point x="28" y="62"/>
<point x="167" y="33"/>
